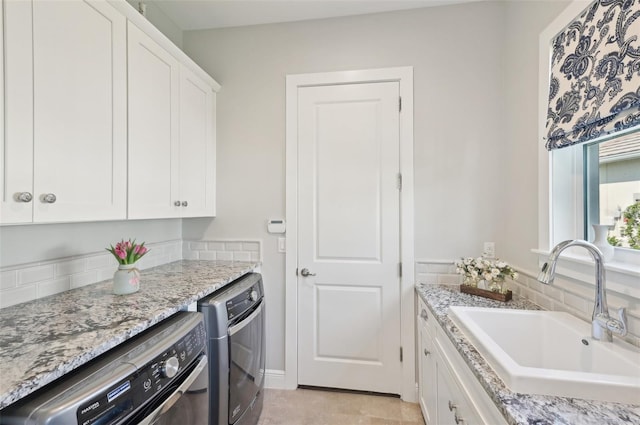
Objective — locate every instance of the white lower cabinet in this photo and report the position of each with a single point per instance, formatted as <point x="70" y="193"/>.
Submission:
<point x="454" y="405"/>
<point x="449" y="392"/>
<point x="427" y="368"/>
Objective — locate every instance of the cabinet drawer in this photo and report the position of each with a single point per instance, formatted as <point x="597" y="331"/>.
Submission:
<point x="476" y="402"/>
<point x="426" y="319"/>
<point x="454" y="405"/>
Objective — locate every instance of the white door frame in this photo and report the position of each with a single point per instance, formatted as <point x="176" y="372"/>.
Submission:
<point x="403" y="75"/>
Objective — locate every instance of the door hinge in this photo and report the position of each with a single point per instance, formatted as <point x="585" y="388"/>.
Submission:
<point x="400" y="269"/>
<point x="400" y="182"/>
<point x="399" y="103"/>
<point x="400" y="353"/>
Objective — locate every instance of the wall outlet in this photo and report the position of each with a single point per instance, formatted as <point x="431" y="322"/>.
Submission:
<point x="282" y="245"/>
<point x="489" y="250"/>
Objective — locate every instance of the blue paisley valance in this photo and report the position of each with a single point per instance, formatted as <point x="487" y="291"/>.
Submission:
<point x="595" y="74"/>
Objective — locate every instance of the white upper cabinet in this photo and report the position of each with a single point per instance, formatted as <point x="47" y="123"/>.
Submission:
<point x="104" y="118"/>
<point x="197" y="146"/>
<point x="16" y="178"/>
<point x="171" y="135"/>
<point x="154" y="84"/>
<point x="65" y="112"/>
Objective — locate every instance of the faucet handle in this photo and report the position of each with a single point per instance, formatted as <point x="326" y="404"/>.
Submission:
<point x="616" y="326"/>
<point x="620" y="326"/>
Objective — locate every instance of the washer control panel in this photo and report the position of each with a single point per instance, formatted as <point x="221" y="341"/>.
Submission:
<point x="139" y="387"/>
<point x="244" y="301"/>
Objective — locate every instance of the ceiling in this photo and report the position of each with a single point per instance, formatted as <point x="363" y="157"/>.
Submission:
<point x="204" y="14"/>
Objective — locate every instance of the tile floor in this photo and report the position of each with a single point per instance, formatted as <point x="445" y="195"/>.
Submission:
<point x="318" y="407"/>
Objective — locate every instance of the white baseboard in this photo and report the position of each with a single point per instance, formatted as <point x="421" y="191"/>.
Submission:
<point x="275" y="379"/>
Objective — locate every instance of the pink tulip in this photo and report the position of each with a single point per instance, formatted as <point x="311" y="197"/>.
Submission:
<point x="128" y="251"/>
<point x="121" y="253"/>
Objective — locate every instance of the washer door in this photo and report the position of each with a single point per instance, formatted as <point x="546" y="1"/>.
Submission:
<point x="247" y="355"/>
<point x="185" y="403"/>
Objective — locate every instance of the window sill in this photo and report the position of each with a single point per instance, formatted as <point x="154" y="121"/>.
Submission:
<point x="621" y="276"/>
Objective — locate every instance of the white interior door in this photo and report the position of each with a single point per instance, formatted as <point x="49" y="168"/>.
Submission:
<point x="348" y="237"/>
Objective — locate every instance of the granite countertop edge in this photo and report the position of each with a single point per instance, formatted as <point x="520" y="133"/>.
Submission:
<point x="45" y="350"/>
<point x="516" y="408"/>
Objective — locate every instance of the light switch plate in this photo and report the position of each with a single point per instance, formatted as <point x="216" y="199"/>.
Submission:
<point x="282" y="245"/>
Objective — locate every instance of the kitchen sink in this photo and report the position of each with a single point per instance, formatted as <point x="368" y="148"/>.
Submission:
<point x="551" y="353"/>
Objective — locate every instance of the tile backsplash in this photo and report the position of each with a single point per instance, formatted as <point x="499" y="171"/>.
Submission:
<point x="30" y="281"/>
<point x="222" y="250"/>
<point x="565" y="294"/>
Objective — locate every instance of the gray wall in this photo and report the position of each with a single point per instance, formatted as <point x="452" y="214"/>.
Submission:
<point x="157" y="17"/>
<point x="518" y="232"/>
<point x="471" y="138"/>
<point x="41" y="242"/>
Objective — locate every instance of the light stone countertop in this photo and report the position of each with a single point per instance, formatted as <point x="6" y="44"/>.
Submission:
<point x="42" y="340"/>
<point x="518" y="409"/>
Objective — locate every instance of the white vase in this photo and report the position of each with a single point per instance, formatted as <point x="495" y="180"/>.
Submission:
<point x="126" y="280"/>
<point x="601" y="231"/>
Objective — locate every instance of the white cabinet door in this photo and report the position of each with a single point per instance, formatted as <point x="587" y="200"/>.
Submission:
<point x="197" y="146"/>
<point x="427" y="366"/>
<point x="453" y="405"/>
<point x="79" y="87"/>
<point x="154" y="79"/>
<point x="65" y="111"/>
<point x="428" y="377"/>
<point x="16" y="151"/>
<point x="448" y="403"/>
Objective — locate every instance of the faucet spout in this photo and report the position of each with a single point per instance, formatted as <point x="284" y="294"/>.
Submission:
<point x="602" y="324"/>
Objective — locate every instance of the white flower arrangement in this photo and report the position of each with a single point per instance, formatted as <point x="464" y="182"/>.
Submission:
<point x="493" y="272"/>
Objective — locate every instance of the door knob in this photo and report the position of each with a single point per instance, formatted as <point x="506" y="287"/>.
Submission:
<point x="176" y="203"/>
<point x="305" y="272"/>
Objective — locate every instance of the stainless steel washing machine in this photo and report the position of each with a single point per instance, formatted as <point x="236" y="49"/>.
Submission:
<point x="160" y="377"/>
<point x="234" y="320"/>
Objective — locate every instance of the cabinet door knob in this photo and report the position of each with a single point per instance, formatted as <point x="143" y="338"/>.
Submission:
<point x="426" y="352"/>
<point x="452" y="406"/>
<point x="23" y="197"/>
<point x="185" y="203"/>
<point x="458" y="419"/>
<point x="48" y="198"/>
<point x="424" y="314"/>
<point x="176" y="203"/>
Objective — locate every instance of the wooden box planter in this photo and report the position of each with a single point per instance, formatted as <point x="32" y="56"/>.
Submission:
<point x="486" y="294"/>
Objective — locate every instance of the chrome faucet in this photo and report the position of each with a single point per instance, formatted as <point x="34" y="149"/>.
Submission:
<point x="602" y="325"/>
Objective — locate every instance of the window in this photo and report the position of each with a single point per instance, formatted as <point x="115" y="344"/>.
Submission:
<point x="612" y="188"/>
<point x="587" y="184"/>
<point x="569" y="198"/>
